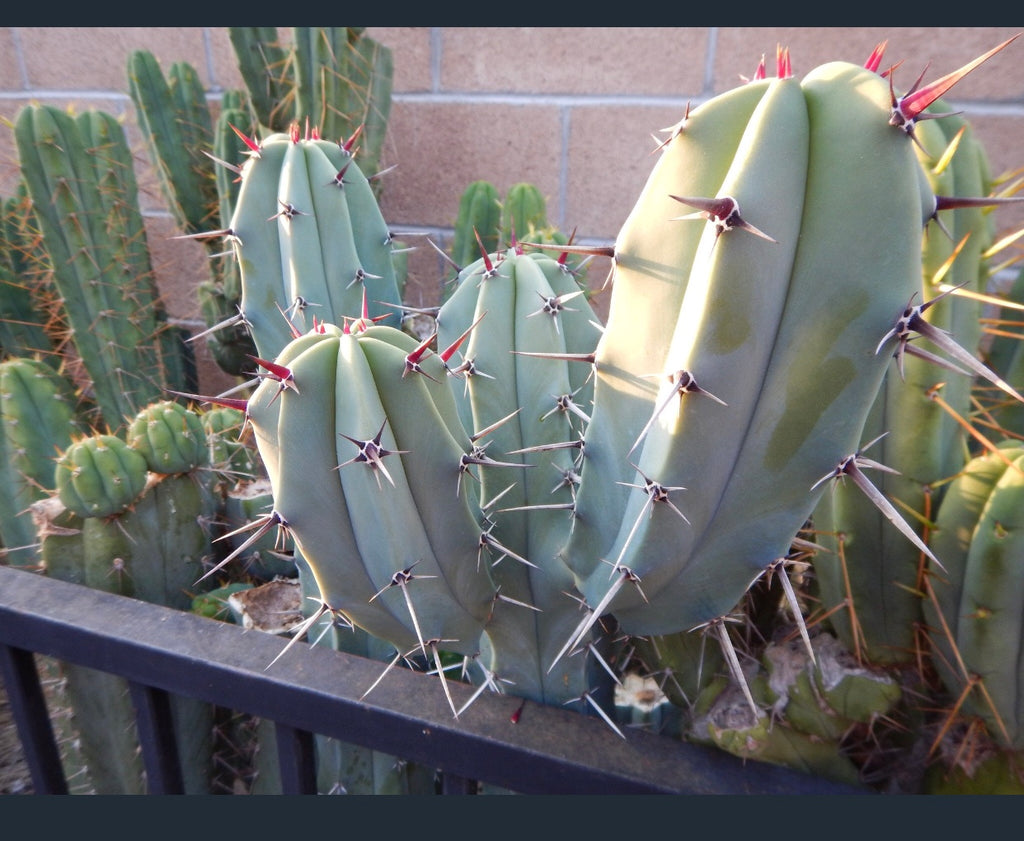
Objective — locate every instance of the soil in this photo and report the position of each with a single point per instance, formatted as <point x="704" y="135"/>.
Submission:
<point x="14" y="774"/>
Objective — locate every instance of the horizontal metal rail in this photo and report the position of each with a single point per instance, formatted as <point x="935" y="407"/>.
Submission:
<point x="314" y="690"/>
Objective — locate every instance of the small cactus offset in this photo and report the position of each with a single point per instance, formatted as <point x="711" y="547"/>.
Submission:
<point x="171" y="438"/>
<point x="100" y="476"/>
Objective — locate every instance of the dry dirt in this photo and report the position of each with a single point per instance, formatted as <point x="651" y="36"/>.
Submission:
<point x="14" y="776"/>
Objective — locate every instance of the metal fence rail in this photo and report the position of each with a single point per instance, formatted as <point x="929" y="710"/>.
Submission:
<point x="315" y="690"/>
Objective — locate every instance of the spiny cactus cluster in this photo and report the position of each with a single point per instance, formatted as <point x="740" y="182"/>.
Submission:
<point x="537" y="502"/>
<point x="86" y="339"/>
<point x="134" y="515"/>
<point x="500" y="494"/>
<point x="76" y="277"/>
<point x="738" y="376"/>
<point x="336" y="77"/>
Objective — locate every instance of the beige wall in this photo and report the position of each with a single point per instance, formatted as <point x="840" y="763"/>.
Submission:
<point x="570" y="110"/>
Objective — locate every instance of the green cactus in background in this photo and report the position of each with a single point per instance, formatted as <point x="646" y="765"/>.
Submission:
<point x="263" y="61"/>
<point x="487" y="224"/>
<point x="38" y="417"/>
<point x="26" y="289"/>
<point x="920" y="414"/>
<point x="178" y="128"/>
<point x="231" y="344"/>
<point x="524" y="216"/>
<point x="335" y="78"/>
<point x="79" y="175"/>
<point x="478" y="224"/>
<point x="230" y="455"/>
<point x="973" y="614"/>
<point x="137" y="522"/>
<point x="1005" y="354"/>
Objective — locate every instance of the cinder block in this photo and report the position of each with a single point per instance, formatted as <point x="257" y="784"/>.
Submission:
<point x="96" y="58"/>
<point x="10" y="73"/>
<point x="411" y="51"/>
<point x="594" y="61"/>
<point x="440" y="148"/>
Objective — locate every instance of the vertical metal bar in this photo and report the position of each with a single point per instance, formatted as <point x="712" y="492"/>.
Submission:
<point x="454" y="784"/>
<point x="28" y="705"/>
<point x="296" y="756"/>
<point x="156" y="737"/>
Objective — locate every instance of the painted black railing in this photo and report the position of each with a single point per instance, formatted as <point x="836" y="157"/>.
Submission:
<point x="315" y="690"/>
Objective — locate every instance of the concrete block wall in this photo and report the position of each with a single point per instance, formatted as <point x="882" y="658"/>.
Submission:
<point x="572" y="110"/>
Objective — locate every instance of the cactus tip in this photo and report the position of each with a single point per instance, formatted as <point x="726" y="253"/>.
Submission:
<point x="254" y="146"/>
<point x="447" y="353"/>
<point x="278" y="372"/>
<point x="760" y="72"/>
<point x="909" y="108"/>
<point x="783" y="63"/>
<point x="347" y="145"/>
<point x="875" y="59"/>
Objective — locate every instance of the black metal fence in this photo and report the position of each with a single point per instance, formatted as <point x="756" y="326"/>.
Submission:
<point x="314" y="690"/>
